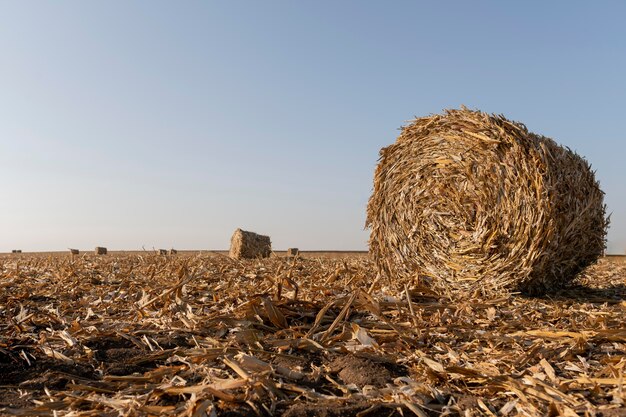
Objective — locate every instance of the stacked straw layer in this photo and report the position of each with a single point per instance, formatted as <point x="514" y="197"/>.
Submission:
<point x="472" y="201"/>
<point x="249" y="245"/>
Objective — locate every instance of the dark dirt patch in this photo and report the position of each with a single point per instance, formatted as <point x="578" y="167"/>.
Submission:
<point x="172" y="342"/>
<point x="121" y="369"/>
<point x="44" y="371"/>
<point x="293" y="363"/>
<point x="466" y="402"/>
<point x="108" y="342"/>
<point x="12" y="398"/>
<point x="125" y="361"/>
<point x="305" y="365"/>
<point x="41" y="299"/>
<point x="613" y="412"/>
<point x="55" y="380"/>
<point x="7" y="357"/>
<point x="235" y="410"/>
<point x="329" y="409"/>
<point x="120" y="356"/>
<point x="359" y="371"/>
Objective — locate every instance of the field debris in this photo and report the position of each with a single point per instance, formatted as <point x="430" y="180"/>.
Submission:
<point x="249" y="245"/>
<point x="195" y="335"/>
<point x="100" y="250"/>
<point x="467" y="201"/>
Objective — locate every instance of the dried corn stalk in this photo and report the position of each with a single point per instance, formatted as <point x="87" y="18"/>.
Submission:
<point x="474" y="201"/>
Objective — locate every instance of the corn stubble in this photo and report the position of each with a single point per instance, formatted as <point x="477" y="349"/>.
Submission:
<point x="196" y="335"/>
<point x="470" y="202"/>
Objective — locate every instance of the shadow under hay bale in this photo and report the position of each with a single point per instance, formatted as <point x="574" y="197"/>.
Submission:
<point x="249" y="245"/>
<point x="100" y="250"/>
<point x="475" y="202"/>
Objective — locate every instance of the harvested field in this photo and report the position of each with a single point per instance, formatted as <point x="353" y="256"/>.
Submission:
<point x="201" y="334"/>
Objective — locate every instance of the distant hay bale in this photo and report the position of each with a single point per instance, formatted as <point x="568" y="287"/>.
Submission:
<point x="16" y="251"/>
<point x="100" y="250"/>
<point x="472" y="201"/>
<point x="249" y="245"/>
<point x="162" y="251"/>
<point x="74" y="251"/>
<point x="292" y="252"/>
<point x="173" y="251"/>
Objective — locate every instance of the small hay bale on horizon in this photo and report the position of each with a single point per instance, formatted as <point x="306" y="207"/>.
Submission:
<point x="475" y="202"/>
<point x="249" y="245"/>
<point x="74" y="251"/>
<point x="291" y="252"/>
<point x="162" y="251"/>
<point x="100" y="250"/>
<point x="172" y="252"/>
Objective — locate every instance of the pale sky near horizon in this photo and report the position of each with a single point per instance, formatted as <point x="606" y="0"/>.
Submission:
<point x="169" y="124"/>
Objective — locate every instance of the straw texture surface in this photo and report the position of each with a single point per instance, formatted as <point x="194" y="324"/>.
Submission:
<point x="472" y="201"/>
<point x="249" y="245"/>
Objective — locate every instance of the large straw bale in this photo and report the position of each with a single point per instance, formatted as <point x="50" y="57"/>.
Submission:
<point x="249" y="245"/>
<point x="471" y="201"/>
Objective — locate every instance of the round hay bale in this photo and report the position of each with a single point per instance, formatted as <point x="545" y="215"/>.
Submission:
<point x="100" y="250"/>
<point x="249" y="245"/>
<point x="471" y="201"/>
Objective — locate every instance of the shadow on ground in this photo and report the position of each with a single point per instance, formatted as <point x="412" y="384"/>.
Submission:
<point x="612" y="294"/>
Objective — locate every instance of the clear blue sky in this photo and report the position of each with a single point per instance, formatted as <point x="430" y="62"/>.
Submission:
<point x="160" y="124"/>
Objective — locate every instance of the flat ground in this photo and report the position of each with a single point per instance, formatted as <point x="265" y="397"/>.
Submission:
<point x="136" y="334"/>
